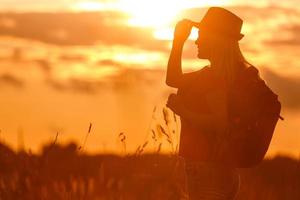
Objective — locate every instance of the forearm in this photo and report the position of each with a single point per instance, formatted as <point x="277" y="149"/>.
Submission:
<point x="174" y="71"/>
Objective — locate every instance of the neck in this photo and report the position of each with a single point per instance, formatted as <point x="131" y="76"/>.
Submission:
<point x="214" y="64"/>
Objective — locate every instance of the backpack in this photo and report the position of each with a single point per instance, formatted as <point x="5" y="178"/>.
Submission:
<point x="253" y="111"/>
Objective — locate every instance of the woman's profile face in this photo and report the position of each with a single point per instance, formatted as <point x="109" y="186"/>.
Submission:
<point x="205" y="42"/>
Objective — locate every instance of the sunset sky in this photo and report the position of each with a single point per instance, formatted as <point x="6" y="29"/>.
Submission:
<point x="66" y="63"/>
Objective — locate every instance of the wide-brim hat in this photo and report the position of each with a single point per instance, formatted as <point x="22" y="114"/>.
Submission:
<point x="221" y="21"/>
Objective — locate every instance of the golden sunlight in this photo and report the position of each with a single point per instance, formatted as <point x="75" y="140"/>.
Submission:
<point x="167" y="34"/>
<point x="93" y="6"/>
<point x="158" y="13"/>
<point x="88" y="6"/>
<point x="153" y="13"/>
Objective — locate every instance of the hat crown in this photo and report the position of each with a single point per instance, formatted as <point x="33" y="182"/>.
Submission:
<point x="223" y="21"/>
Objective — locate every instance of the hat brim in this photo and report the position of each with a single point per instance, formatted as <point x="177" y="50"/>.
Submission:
<point x="200" y="26"/>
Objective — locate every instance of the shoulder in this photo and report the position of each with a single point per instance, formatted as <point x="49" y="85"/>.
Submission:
<point x="249" y="73"/>
<point x="189" y="78"/>
<point x="197" y="74"/>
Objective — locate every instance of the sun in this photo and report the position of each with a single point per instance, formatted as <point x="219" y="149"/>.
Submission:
<point x="146" y="13"/>
<point x="154" y="13"/>
<point x="160" y="13"/>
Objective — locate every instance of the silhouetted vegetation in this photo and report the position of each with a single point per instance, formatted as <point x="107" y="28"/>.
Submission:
<point x="65" y="172"/>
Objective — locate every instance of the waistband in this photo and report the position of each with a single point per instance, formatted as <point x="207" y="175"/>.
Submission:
<point x="208" y="164"/>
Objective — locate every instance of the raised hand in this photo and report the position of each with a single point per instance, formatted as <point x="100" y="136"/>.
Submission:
<point x="182" y="31"/>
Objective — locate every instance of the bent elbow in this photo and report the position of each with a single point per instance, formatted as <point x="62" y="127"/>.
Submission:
<point x="170" y="83"/>
<point x="173" y="81"/>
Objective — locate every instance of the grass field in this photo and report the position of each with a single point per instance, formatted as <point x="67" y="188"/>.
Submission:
<point x="65" y="172"/>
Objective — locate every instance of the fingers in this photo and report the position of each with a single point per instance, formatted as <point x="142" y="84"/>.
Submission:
<point x="173" y="104"/>
<point x="182" y="30"/>
<point x="189" y="24"/>
<point x="186" y="23"/>
<point x="171" y="100"/>
<point x="193" y="24"/>
<point x="172" y="95"/>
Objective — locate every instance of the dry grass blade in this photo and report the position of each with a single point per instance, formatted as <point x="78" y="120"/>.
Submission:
<point x="166" y="116"/>
<point x="163" y="131"/>
<point x="153" y="113"/>
<point x="176" y="149"/>
<point x="141" y="151"/>
<point x="174" y="116"/>
<point x="145" y="144"/>
<point x="56" y="137"/>
<point x="154" y="109"/>
<point x="122" y="138"/>
<point x="86" y="137"/>
<point x="153" y="134"/>
<point x="90" y="128"/>
<point x="137" y="150"/>
<point x="53" y="144"/>
<point x="159" y="148"/>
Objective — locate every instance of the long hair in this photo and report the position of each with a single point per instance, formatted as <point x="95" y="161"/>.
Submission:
<point x="228" y="59"/>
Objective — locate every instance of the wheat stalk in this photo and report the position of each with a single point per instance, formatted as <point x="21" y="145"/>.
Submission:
<point x="159" y="148"/>
<point x="122" y="137"/>
<point x="86" y="137"/>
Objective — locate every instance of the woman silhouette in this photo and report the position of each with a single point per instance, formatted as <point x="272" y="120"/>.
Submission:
<point x="201" y="101"/>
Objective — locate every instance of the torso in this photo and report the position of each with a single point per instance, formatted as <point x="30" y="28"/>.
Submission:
<point x="197" y="144"/>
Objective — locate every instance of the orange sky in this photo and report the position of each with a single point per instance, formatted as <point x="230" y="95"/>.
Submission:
<point x="61" y="71"/>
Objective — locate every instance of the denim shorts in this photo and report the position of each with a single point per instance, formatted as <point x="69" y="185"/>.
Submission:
<point x="211" y="181"/>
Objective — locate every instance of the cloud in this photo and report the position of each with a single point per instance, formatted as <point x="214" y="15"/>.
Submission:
<point x="286" y="87"/>
<point x="245" y="12"/>
<point x="109" y="27"/>
<point x="76" y="85"/>
<point x="133" y="78"/>
<point x="8" y="79"/>
<point x="44" y="65"/>
<point x="73" y="58"/>
<point x="88" y="28"/>
<point x="293" y="32"/>
<point x="7" y="23"/>
<point x="108" y="62"/>
<point x="126" y="79"/>
<point x="295" y="41"/>
<point x="263" y="18"/>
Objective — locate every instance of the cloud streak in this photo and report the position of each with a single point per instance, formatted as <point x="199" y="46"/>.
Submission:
<point x="10" y="80"/>
<point x="125" y="80"/>
<point x="81" y="29"/>
<point x="293" y="31"/>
